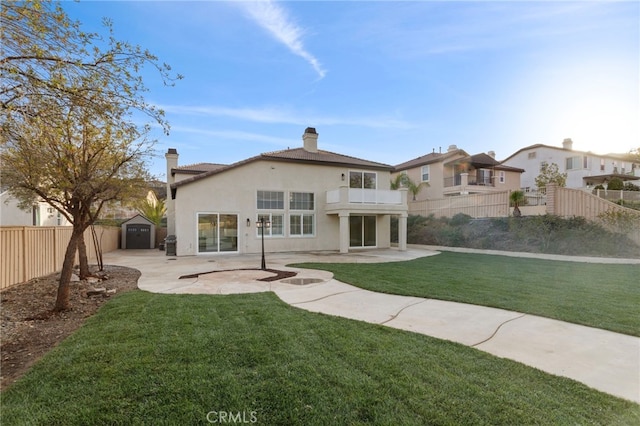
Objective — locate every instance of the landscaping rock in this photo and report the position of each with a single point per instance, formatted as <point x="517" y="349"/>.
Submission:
<point x="96" y="291"/>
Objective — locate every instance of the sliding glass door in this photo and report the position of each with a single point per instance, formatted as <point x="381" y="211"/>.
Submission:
<point x="362" y="231"/>
<point x="217" y="232"/>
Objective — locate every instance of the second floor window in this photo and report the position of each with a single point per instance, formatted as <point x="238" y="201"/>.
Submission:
<point x="270" y="200"/>
<point x="362" y="180"/>
<point x="301" y="201"/>
<point x="578" y="162"/>
<point x="425" y="173"/>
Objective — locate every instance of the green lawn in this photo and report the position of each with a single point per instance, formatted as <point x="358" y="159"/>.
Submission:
<point x="597" y="295"/>
<point x="172" y="359"/>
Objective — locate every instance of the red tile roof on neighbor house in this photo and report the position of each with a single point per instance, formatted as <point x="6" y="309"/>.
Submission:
<point x="296" y="155"/>
<point x="194" y="169"/>
<point x="483" y="160"/>
<point x="434" y="157"/>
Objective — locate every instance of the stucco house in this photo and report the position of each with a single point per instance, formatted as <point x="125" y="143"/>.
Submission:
<point x="457" y="173"/>
<point x="584" y="169"/>
<point x="313" y="200"/>
<point x="40" y="214"/>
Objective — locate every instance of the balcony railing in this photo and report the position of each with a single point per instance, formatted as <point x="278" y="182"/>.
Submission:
<point x="472" y="180"/>
<point x="366" y="196"/>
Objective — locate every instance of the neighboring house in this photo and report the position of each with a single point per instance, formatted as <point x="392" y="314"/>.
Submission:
<point x="583" y="169"/>
<point x="457" y="173"/>
<point x="41" y="214"/>
<point x="313" y="200"/>
<point x="122" y="210"/>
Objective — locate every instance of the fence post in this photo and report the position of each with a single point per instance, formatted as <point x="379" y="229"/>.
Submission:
<point x="551" y="191"/>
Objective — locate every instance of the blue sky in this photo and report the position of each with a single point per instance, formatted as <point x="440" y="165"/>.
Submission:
<point x="384" y="80"/>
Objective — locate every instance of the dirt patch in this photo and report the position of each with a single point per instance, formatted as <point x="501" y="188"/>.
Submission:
<point x="29" y="326"/>
<point x="278" y="274"/>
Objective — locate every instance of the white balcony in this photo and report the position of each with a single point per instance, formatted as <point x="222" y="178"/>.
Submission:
<point x="367" y="200"/>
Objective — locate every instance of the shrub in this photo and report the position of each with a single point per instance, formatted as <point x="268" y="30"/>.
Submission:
<point x="628" y="186"/>
<point x="615" y="184"/>
<point x="538" y="234"/>
<point x="621" y="221"/>
<point x="460" y="219"/>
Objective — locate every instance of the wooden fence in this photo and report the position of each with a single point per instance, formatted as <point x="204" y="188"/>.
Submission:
<point x="568" y="202"/>
<point x="27" y="252"/>
<point x="495" y="204"/>
<point x="564" y="202"/>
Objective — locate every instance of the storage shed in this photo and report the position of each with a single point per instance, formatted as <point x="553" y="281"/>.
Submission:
<point x="138" y="233"/>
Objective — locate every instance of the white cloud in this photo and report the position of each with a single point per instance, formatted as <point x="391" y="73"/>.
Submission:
<point x="275" y="19"/>
<point x="282" y="116"/>
<point x="235" y="135"/>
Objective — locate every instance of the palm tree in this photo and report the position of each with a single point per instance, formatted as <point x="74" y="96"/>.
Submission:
<point x="152" y="208"/>
<point x="399" y="180"/>
<point x="516" y="198"/>
<point x="404" y="181"/>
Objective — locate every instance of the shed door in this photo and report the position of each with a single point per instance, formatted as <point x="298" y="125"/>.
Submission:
<point x="138" y="236"/>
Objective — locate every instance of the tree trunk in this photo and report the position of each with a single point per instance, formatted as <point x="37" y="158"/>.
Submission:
<point x="62" y="299"/>
<point x="82" y="257"/>
<point x="516" y="211"/>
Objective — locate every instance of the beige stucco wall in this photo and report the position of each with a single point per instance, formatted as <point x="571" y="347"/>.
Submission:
<point x="512" y="181"/>
<point x="435" y="187"/>
<point x="438" y="173"/>
<point x="234" y="191"/>
<point x="11" y="214"/>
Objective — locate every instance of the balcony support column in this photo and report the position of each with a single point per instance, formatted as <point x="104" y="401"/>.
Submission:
<point x="464" y="181"/>
<point x="402" y="232"/>
<point x="344" y="232"/>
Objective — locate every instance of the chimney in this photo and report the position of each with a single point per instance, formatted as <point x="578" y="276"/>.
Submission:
<point x="567" y="144"/>
<point x="492" y="154"/>
<point x="172" y="163"/>
<point x="310" y="139"/>
<point x="452" y="148"/>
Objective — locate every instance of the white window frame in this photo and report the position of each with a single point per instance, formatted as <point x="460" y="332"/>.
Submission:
<point x="310" y="216"/>
<point x="423" y="173"/>
<point x="502" y="176"/>
<point x="218" y="245"/>
<point x="362" y="173"/>
<point x="292" y="205"/>
<point x="578" y="162"/>
<point x="268" y="232"/>
<point x="270" y="207"/>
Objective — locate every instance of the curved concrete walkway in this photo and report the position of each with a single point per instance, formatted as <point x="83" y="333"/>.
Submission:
<point x="607" y="361"/>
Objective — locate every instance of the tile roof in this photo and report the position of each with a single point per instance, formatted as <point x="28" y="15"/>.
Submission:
<point x="297" y="155"/>
<point x="433" y="157"/>
<point x="483" y="160"/>
<point x="197" y="168"/>
<point x="323" y="157"/>
<point x="623" y="157"/>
